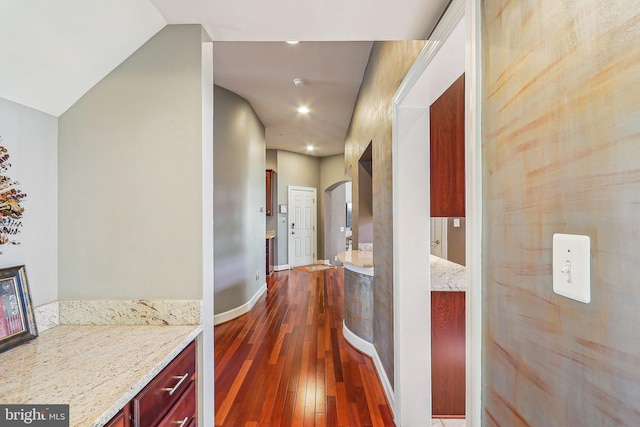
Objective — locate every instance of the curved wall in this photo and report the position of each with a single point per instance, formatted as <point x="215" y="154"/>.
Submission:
<point x="239" y="192"/>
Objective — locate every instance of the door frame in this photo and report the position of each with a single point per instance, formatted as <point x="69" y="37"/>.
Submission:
<point x="314" y="216"/>
<point x="412" y="299"/>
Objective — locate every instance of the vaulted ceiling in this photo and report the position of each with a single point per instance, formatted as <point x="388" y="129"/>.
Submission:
<point x="54" y="51"/>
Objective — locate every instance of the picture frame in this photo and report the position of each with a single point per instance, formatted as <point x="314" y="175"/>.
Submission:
<point x="17" y="320"/>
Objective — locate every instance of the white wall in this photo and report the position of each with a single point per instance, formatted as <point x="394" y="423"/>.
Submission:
<point x="130" y="162"/>
<point x="31" y="139"/>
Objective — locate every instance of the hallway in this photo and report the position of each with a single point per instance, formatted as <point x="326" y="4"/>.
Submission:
<point x="286" y="362"/>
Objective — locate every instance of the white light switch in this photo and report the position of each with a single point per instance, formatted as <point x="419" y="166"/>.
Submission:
<point x="572" y="266"/>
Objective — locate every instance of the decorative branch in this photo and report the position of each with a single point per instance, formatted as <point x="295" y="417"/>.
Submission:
<point x="10" y="198"/>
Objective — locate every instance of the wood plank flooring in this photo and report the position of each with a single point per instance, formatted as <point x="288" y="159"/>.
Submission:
<point x="286" y="362"/>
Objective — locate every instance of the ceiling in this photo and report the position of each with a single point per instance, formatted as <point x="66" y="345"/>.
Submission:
<point x="263" y="74"/>
<point x="54" y="51"/>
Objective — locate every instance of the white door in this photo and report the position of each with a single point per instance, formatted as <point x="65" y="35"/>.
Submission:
<point x="439" y="237"/>
<point x="302" y="226"/>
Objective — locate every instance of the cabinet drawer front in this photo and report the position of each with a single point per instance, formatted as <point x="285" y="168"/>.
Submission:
<point x="165" y="390"/>
<point x="183" y="414"/>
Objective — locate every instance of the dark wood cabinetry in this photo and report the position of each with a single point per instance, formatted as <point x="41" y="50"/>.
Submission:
<point x="123" y="419"/>
<point x="168" y="400"/>
<point x="446" y="117"/>
<point x="448" y="354"/>
<point x="270" y="255"/>
<point x="270" y="192"/>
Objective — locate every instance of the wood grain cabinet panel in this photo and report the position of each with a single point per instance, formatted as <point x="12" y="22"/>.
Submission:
<point x="446" y="118"/>
<point x="162" y="393"/>
<point x="168" y="400"/>
<point x="183" y="412"/>
<point x="270" y="178"/>
<point x="122" y="419"/>
<point x="448" y="354"/>
<point x="270" y="259"/>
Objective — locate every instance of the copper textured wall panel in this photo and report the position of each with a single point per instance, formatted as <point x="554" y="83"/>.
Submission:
<point x="561" y="153"/>
<point x="371" y="123"/>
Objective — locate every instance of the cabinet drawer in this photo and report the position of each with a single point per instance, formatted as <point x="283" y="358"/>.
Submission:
<point x="183" y="414"/>
<point x="152" y="403"/>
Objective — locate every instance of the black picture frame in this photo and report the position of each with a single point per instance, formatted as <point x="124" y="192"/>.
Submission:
<point x="17" y="320"/>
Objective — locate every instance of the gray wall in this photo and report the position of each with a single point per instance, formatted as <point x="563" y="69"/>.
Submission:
<point x="31" y="138"/>
<point x="239" y="181"/>
<point x="456" y="241"/>
<point x="561" y="154"/>
<point x="130" y="177"/>
<point x="331" y="173"/>
<point x="365" y="206"/>
<point x="335" y="217"/>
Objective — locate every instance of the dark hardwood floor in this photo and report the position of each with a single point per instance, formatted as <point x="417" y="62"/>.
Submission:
<point x="286" y="362"/>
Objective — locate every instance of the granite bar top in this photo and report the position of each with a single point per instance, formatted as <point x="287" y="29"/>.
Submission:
<point x="447" y="276"/>
<point x="357" y="258"/>
<point x="95" y="369"/>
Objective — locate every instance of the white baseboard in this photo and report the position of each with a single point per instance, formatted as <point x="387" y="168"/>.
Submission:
<point x="239" y="311"/>
<point x="281" y="267"/>
<point x="367" y="348"/>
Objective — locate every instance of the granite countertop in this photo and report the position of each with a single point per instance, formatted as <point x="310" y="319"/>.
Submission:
<point x="95" y="369"/>
<point x="357" y="258"/>
<point x="447" y="276"/>
<point x="271" y="234"/>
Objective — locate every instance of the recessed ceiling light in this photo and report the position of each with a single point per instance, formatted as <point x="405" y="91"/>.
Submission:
<point x="298" y="81"/>
<point x="292" y="42"/>
<point x="310" y="148"/>
<point x="303" y="110"/>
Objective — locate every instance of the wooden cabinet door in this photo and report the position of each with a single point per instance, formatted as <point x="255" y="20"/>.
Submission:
<point x="446" y="117"/>
<point x="448" y="354"/>
<point x="161" y="394"/>
<point x="269" y="192"/>
<point x="122" y="419"/>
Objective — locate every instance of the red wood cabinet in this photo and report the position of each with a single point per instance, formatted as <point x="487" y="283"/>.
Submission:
<point x="270" y="178"/>
<point x="122" y="419"/>
<point x="168" y="400"/>
<point x="448" y="354"/>
<point x="270" y="259"/>
<point x="446" y="117"/>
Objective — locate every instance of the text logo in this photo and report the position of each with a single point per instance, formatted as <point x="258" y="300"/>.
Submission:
<point x="34" y="415"/>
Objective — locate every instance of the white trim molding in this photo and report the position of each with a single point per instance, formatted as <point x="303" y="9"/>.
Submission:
<point x="368" y="349"/>
<point x="239" y="311"/>
<point x="453" y="48"/>
<point x="281" y="267"/>
<point x="473" y="178"/>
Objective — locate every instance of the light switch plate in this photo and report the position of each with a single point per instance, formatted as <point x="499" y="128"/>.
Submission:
<point x="572" y="266"/>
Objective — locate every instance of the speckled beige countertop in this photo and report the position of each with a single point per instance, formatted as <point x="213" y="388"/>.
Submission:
<point x="271" y="234"/>
<point x="447" y="276"/>
<point x="94" y="369"/>
<point x="357" y="258"/>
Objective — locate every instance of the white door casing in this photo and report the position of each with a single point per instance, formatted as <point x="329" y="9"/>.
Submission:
<point x="301" y="226"/>
<point x="412" y="392"/>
